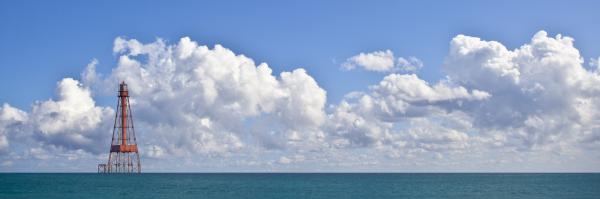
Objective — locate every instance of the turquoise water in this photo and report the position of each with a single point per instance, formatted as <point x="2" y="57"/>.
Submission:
<point x="299" y="185"/>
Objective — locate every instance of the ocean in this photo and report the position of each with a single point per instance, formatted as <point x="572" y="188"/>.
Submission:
<point x="299" y="185"/>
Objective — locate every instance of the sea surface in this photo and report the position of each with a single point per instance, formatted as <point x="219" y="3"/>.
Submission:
<point x="299" y="185"/>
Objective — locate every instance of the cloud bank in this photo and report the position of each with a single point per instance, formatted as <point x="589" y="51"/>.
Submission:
<point x="212" y="109"/>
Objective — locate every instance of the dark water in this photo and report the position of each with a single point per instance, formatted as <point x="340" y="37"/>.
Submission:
<point x="266" y="186"/>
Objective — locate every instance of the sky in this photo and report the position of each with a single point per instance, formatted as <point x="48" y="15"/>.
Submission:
<point x="307" y="86"/>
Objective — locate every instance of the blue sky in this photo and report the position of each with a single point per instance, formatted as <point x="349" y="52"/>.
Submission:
<point x="503" y="86"/>
<point x="318" y="36"/>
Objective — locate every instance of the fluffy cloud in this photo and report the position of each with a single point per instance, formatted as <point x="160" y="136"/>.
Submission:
<point x="382" y="61"/>
<point x="210" y="96"/>
<point x="543" y="98"/>
<point x="205" y="106"/>
<point x="73" y="120"/>
<point x="412" y="89"/>
<point x="369" y="119"/>
<point x="59" y="134"/>
<point x="398" y="96"/>
<point x="537" y="99"/>
<point x="11" y="119"/>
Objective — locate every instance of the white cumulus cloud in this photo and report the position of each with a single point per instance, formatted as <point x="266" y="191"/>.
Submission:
<point x="10" y="120"/>
<point x="206" y="97"/>
<point x="382" y="61"/>
<point x="368" y="119"/>
<point x="73" y="120"/>
<point x="542" y="96"/>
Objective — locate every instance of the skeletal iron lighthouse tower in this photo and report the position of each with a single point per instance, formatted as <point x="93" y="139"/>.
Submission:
<point x="124" y="156"/>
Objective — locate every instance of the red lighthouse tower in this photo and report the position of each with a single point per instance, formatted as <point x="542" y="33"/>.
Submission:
<point x="124" y="156"/>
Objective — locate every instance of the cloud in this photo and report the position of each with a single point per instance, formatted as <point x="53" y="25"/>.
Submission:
<point x="411" y="88"/>
<point x="184" y="87"/>
<point x="73" y="120"/>
<point x="595" y="64"/>
<point x="368" y="119"/>
<point x="382" y="61"/>
<point x="410" y="64"/>
<point x="212" y="108"/>
<point x="56" y="132"/>
<point x="11" y="119"/>
<point x="89" y="77"/>
<point x="543" y="98"/>
<point x="398" y="96"/>
<point x="430" y="136"/>
<point x="537" y="99"/>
